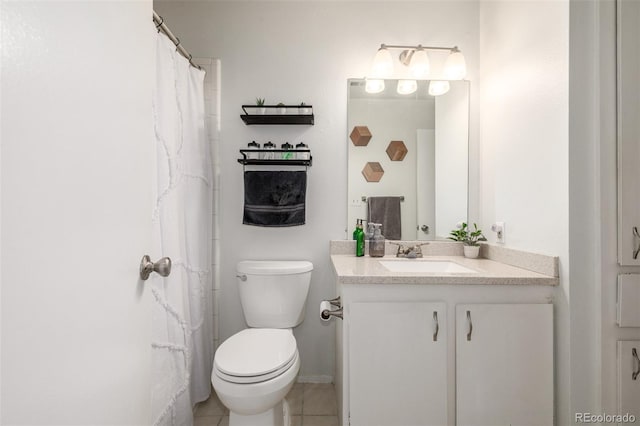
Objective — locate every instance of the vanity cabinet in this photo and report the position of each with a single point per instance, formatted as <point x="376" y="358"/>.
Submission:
<point x="398" y="363"/>
<point x="628" y="133"/>
<point x="629" y="378"/>
<point x="504" y="364"/>
<point x="422" y="355"/>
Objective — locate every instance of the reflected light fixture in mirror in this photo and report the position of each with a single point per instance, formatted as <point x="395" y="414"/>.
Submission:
<point x="374" y="85"/>
<point x="438" y="87"/>
<point x="407" y="87"/>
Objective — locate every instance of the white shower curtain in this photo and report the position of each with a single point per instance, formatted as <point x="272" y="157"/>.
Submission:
<point x="182" y="339"/>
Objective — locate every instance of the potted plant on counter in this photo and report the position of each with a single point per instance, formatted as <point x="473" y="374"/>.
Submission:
<point x="470" y="239"/>
<point x="281" y="108"/>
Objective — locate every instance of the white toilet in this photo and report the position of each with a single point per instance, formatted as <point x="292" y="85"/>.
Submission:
<point x="254" y="369"/>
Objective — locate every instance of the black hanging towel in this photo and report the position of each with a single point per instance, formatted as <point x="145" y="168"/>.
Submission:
<point x="274" y="198"/>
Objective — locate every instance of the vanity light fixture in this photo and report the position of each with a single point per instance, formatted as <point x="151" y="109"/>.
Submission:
<point x="417" y="60"/>
<point x="382" y="66"/>
<point x="438" y="87"/>
<point x="455" y="67"/>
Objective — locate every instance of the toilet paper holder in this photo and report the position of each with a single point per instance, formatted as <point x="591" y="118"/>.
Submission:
<point x="325" y="314"/>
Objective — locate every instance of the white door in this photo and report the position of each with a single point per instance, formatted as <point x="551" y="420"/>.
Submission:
<point x="76" y="163"/>
<point x="426" y="184"/>
<point x="629" y="379"/>
<point x="504" y="364"/>
<point x="397" y="364"/>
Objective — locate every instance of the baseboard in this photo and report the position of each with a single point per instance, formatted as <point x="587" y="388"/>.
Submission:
<point x="315" y="379"/>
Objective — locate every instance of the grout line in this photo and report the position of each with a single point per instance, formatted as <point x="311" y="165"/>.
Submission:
<point x="302" y="406"/>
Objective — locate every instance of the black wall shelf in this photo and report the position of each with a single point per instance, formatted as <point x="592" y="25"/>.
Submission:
<point x="271" y="115"/>
<point x="248" y="153"/>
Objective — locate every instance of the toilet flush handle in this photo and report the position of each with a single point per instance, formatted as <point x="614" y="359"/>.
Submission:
<point x="241" y="277"/>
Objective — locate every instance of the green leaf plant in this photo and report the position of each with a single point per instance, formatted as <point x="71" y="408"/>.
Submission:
<point x="465" y="235"/>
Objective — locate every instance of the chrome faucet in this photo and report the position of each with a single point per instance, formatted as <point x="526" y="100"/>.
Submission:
<point x="410" y="252"/>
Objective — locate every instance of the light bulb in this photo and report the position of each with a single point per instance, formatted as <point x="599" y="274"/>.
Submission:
<point x="407" y="87"/>
<point x="438" y="87"/>
<point x="455" y="67"/>
<point x="382" y="66"/>
<point x="374" y="86"/>
<point x="419" y="64"/>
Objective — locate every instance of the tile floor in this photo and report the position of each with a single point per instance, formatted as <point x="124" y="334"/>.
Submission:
<point x="311" y="404"/>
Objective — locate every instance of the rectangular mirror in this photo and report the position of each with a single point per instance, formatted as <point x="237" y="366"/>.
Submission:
<point x="429" y="168"/>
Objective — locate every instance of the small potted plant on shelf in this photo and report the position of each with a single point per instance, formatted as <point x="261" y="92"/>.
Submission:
<point x="470" y="239"/>
<point x="281" y="108"/>
<point x="260" y="104"/>
<point x="303" y="109"/>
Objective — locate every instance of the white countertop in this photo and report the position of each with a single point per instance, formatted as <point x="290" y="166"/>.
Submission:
<point x="350" y="269"/>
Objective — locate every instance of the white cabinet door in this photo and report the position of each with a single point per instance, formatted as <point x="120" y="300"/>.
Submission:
<point x="397" y="364"/>
<point x="504" y="364"/>
<point x="628" y="132"/>
<point x="629" y="378"/>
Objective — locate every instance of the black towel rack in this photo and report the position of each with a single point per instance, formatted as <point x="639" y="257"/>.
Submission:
<point x="270" y="116"/>
<point x="245" y="160"/>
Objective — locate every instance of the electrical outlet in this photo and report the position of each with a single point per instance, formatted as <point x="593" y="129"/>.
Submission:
<point x="499" y="229"/>
<point x="355" y="202"/>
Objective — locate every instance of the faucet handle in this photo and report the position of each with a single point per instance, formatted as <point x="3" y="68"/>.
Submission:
<point x="402" y="250"/>
<point x="418" y="247"/>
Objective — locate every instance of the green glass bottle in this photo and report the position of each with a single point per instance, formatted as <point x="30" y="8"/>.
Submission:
<point x="360" y="240"/>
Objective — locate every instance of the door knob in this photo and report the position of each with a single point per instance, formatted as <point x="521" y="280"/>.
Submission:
<point x="425" y="229"/>
<point x="162" y="267"/>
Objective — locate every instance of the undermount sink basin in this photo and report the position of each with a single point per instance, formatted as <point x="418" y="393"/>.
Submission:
<point x="430" y="266"/>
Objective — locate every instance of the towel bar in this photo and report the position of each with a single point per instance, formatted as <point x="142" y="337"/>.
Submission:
<point x="364" y="198"/>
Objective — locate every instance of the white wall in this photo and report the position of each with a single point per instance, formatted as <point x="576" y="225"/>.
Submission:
<point x="524" y="142"/>
<point x="584" y="212"/>
<point x="452" y="148"/>
<point x="292" y="52"/>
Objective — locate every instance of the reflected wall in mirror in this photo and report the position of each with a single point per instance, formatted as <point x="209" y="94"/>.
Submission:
<point x="433" y="176"/>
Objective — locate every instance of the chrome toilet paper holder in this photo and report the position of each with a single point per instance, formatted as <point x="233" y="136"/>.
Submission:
<point x="326" y="313"/>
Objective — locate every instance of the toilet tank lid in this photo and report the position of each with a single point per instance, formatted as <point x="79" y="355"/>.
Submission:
<point x="274" y="267"/>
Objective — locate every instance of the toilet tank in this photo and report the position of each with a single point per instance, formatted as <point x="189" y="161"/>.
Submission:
<point x="273" y="293"/>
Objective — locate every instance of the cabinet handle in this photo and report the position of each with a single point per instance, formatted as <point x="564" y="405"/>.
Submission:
<point x="636" y="361"/>
<point x="470" y="326"/>
<point x="637" y="249"/>
<point x="435" y="319"/>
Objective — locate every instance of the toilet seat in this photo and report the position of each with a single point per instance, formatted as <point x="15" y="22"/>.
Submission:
<point x="255" y="355"/>
<point x="255" y="379"/>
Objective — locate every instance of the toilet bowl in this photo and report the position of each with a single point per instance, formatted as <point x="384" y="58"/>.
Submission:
<point x="254" y="369"/>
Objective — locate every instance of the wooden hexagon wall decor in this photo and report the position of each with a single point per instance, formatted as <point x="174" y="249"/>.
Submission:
<point x="397" y="150"/>
<point x="360" y="135"/>
<point x="373" y="171"/>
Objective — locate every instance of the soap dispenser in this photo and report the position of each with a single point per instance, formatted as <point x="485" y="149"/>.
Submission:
<point x="359" y="239"/>
<point x="376" y="243"/>
<point x="369" y="234"/>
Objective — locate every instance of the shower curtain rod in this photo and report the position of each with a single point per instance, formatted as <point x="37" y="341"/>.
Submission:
<point x="161" y="26"/>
